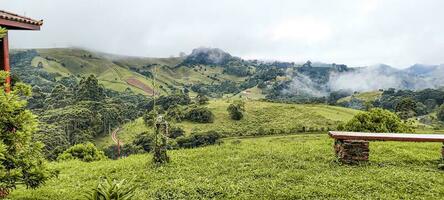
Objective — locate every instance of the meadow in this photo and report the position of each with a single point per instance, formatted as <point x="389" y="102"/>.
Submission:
<point x="260" y="118"/>
<point x="300" y="166"/>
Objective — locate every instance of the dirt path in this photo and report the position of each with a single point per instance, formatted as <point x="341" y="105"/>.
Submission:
<point x="114" y="136"/>
<point x="139" y="84"/>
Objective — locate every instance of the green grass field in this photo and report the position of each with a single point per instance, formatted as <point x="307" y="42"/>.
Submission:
<point x="270" y="118"/>
<point x="364" y="96"/>
<point x="299" y="166"/>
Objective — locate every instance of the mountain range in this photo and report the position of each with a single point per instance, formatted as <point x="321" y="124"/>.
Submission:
<point x="217" y="73"/>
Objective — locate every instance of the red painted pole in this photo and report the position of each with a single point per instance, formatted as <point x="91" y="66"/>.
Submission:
<point x="6" y="67"/>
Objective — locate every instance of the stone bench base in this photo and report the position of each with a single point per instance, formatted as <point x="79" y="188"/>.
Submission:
<point x="352" y="151"/>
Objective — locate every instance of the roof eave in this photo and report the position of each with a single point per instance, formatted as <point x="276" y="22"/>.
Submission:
<point x="15" y="25"/>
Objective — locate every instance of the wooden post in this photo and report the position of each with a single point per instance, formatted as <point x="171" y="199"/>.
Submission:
<point x="5" y="60"/>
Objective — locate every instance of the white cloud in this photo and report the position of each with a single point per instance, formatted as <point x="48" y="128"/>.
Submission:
<point x="303" y="29"/>
<point x="357" y="33"/>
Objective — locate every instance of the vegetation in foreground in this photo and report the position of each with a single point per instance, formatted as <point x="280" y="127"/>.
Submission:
<point x="278" y="167"/>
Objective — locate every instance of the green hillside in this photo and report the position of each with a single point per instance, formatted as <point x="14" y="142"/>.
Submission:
<point x="119" y="73"/>
<point x="260" y="118"/>
<point x="363" y="96"/>
<point x="280" y="167"/>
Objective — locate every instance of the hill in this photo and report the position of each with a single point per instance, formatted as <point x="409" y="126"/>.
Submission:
<point x="121" y="72"/>
<point x="261" y="118"/>
<point x="217" y="73"/>
<point x="280" y="167"/>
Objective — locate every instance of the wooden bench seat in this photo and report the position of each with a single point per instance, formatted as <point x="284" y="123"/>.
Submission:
<point x="353" y="147"/>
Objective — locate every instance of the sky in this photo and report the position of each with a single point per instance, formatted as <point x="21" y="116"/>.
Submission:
<point x="353" y="32"/>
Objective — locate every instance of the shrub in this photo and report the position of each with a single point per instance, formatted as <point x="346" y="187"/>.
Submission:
<point x="125" y="150"/>
<point x="84" y="152"/>
<point x="376" y="120"/>
<point x="440" y="113"/>
<point x="200" y="114"/>
<point x="198" y="139"/>
<point x="112" y="190"/>
<point x="201" y="99"/>
<point x="144" y="140"/>
<point x="176" y="132"/>
<point x="236" y="110"/>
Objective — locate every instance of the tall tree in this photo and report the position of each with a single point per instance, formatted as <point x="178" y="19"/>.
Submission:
<point x="21" y="160"/>
<point x="89" y="89"/>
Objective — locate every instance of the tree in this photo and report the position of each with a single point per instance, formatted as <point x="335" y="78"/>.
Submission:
<point x="200" y="114"/>
<point x="89" y="89"/>
<point x="21" y="159"/>
<point x="440" y="113"/>
<point x="377" y="121"/>
<point x="236" y="110"/>
<point x="406" y="108"/>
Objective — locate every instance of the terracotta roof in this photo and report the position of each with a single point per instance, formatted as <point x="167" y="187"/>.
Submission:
<point x="17" y="18"/>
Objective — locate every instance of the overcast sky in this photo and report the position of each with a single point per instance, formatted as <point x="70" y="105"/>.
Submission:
<point x="354" y="32"/>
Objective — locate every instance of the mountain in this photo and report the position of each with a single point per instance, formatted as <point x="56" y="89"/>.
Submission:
<point x="216" y="73"/>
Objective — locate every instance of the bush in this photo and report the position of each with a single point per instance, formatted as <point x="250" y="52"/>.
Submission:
<point x="440" y="113"/>
<point x="198" y="139"/>
<point x="176" y="132"/>
<point x="376" y="120"/>
<point x="125" y="150"/>
<point x="201" y="99"/>
<point x="84" y="152"/>
<point x="144" y="140"/>
<point x="200" y="115"/>
<point x="107" y="189"/>
<point x="236" y="110"/>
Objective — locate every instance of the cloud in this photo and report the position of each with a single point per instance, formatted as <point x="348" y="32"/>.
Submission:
<point x="357" y="33"/>
<point x="304" y="29"/>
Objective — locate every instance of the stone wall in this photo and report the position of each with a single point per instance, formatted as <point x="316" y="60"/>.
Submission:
<point x="352" y="151"/>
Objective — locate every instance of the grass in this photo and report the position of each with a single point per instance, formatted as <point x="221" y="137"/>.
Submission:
<point x="364" y="96"/>
<point x="259" y="118"/>
<point x="280" y="167"/>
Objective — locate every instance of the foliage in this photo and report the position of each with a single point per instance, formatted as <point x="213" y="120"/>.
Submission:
<point x="125" y="150"/>
<point x="84" y="152"/>
<point x="144" y="140"/>
<point x="299" y="166"/>
<point x="21" y="160"/>
<point x="440" y="113"/>
<point x="406" y="108"/>
<point x="411" y="102"/>
<point x="201" y="99"/>
<point x="236" y="110"/>
<point x="90" y="90"/>
<point x="160" y="141"/>
<point x="376" y="120"/>
<point x="198" y="139"/>
<point x="200" y="114"/>
<point x="112" y="190"/>
<point x="176" y="132"/>
<point x="3" y="32"/>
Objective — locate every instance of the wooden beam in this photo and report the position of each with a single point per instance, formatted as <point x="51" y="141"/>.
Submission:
<point x="14" y="25"/>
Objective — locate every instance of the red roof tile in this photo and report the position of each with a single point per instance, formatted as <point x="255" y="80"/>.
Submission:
<point x="14" y="17"/>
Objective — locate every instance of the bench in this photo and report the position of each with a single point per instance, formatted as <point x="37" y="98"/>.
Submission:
<point x="353" y="147"/>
